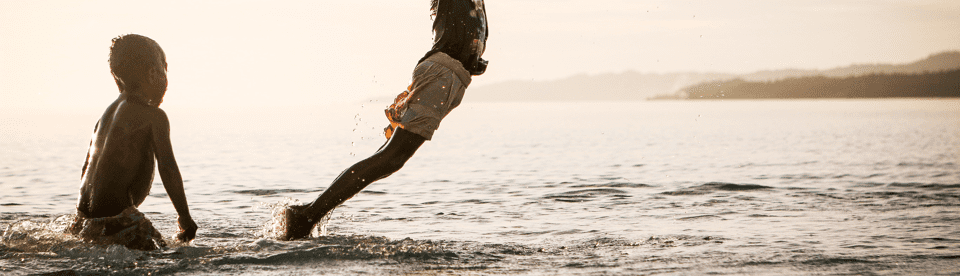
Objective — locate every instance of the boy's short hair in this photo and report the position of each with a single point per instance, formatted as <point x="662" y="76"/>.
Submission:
<point x="131" y="56"/>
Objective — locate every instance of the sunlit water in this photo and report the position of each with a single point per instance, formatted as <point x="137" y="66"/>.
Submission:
<point x="722" y="187"/>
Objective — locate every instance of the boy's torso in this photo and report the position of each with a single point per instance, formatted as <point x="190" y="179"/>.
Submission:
<point x="120" y="168"/>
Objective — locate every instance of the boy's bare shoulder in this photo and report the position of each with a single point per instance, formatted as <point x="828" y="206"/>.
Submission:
<point x="158" y="115"/>
<point x="143" y="113"/>
<point x="160" y="120"/>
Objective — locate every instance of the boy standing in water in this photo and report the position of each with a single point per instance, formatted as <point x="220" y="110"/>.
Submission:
<point x="118" y="172"/>
<point x="439" y="81"/>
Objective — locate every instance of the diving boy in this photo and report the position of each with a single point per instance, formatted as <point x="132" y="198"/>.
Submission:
<point x="118" y="171"/>
<point x="439" y="82"/>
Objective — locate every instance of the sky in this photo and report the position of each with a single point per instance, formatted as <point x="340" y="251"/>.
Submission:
<point x="250" y="54"/>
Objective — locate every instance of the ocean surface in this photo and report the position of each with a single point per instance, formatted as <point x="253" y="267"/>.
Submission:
<point x="812" y="187"/>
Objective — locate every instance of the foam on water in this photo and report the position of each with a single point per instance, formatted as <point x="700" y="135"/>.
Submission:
<point x="273" y="228"/>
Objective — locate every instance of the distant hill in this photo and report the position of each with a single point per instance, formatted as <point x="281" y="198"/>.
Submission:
<point x="939" y="84"/>
<point x="933" y="63"/>
<point x="629" y="86"/>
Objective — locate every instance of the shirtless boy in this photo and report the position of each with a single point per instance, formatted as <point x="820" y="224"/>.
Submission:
<point x="131" y="134"/>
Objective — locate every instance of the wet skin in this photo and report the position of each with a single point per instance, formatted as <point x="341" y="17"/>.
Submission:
<point x="300" y="219"/>
<point x="118" y="171"/>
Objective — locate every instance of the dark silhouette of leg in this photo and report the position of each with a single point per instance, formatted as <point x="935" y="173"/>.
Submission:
<point x="389" y="159"/>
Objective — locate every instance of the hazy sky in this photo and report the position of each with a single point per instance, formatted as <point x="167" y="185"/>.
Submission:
<point x="275" y="53"/>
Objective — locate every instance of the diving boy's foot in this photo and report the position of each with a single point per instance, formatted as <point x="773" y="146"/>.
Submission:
<point x="295" y="224"/>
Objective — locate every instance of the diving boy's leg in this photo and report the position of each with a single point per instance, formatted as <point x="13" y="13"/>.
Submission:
<point x="295" y="224"/>
<point x="299" y="220"/>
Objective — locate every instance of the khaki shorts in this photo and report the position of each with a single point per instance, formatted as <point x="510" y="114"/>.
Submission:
<point x="435" y="91"/>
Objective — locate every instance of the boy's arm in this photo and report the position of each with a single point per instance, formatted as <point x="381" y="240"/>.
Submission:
<point x="170" y="175"/>
<point x="86" y="161"/>
<point x="84" y="200"/>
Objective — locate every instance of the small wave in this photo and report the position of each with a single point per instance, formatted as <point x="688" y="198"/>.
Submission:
<point x="934" y="186"/>
<point x="474" y="201"/>
<point x="569" y="232"/>
<point x="700" y="217"/>
<point x="941" y="174"/>
<point x="523" y="233"/>
<point x="263" y="192"/>
<point x="803" y="177"/>
<point x="834" y="261"/>
<point x="926" y="165"/>
<point x="109" y="254"/>
<point x="678" y="240"/>
<point x="863" y="246"/>
<point x="814" y="262"/>
<point x="750" y="164"/>
<point x="293" y="257"/>
<point x="760" y="216"/>
<point x="935" y="240"/>
<point x="926" y="219"/>
<point x="347" y="248"/>
<point x="583" y="195"/>
<point x="868" y="185"/>
<point x="717" y="186"/>
<point x="613" y="185"/>
<point x="914" y="195"/>
<point x="737" y="187"/>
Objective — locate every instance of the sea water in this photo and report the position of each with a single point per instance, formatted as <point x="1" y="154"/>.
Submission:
<point x="665" y="187"/>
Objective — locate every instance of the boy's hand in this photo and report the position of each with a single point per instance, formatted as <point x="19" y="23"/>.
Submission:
<point x="188" y="229"/>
